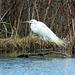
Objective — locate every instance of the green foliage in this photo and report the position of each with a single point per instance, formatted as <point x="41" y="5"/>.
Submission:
<point x="54" y="25"/>
<point x="7" y="25"/>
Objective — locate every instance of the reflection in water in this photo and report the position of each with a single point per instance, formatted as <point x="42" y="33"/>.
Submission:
<point x="47" y="66"/>
<point x="67" y="66"/>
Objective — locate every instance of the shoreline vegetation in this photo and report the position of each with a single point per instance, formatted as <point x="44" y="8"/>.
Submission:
<point x="30" y="45"/>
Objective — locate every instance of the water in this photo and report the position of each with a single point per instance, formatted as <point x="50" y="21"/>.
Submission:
<point x="30" y="66"/>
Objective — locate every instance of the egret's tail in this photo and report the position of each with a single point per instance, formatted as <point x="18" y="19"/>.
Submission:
<point x="60" y="42"/>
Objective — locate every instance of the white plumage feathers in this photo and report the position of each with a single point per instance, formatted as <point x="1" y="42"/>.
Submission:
<point x="44" y="32"/>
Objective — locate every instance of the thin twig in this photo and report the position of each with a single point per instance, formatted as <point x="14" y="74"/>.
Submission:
<point x="5" y="31"/>
<point x="19" y="19"/>
<point x="1" y="18"/>
<point x="47" y="10"/>
<point x="36" y="10"/>
<point x="4" y="23"/>
<point x="29" y="14"/>
<point x="4" y="26"/>
<point x="7" y="12"/>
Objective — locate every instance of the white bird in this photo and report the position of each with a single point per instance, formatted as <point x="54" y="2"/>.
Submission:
<point x="44" y="32"/>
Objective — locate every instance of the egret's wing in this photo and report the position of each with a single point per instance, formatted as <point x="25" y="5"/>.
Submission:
<point x="47" y="34"/>
<point x="44" y="31"/>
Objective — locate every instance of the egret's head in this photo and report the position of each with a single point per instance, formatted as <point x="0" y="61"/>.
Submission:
<point x="31" y="21"/>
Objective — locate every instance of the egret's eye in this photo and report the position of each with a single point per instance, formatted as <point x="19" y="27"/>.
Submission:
<point x="31" y="21"/>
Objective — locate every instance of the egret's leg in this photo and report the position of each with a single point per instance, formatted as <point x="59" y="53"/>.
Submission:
<point x="42" y="54"/>
<point x="44" y="47"/>
<point x="41" y="45"/>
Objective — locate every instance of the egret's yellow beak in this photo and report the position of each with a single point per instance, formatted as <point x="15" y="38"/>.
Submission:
<point x="26" y="22"/>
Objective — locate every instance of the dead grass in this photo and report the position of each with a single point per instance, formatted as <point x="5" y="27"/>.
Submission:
<point x="31" y="42"/>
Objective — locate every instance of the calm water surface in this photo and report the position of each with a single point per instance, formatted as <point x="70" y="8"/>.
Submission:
<point x="29" y="66"/>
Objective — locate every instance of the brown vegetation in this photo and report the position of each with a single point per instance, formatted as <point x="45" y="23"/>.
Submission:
<point x="58" y="15"/>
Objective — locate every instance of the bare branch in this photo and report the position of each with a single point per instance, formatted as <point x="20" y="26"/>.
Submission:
<point x="36" y="10"/>
<point x="19" y="19"/>
<point x="5" y="31"/>
<point x="7" y="12"/>
<point x="4" y="27"/>
<point x="47" y="10"/>
<point x="33" y="13"/>
<point x="4" y="23"/>
<point x="29" y="14"/>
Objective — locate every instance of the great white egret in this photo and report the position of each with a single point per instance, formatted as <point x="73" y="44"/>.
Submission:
<point x="44" y="32"/>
